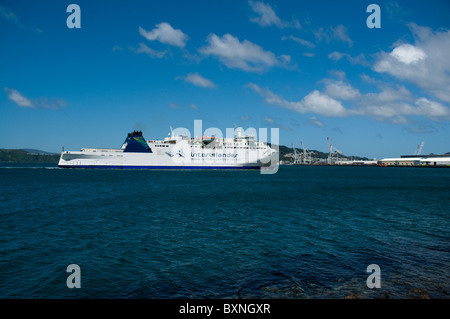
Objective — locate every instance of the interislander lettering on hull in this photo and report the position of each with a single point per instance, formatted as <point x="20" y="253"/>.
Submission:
<point x="215" y="155"/>
<point x="180" y="151"/>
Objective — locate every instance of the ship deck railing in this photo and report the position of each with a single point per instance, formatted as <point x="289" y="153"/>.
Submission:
<point x="101" y="150"/>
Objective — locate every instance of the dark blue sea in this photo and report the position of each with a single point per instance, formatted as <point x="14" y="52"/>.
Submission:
<point x="304" y="232"/>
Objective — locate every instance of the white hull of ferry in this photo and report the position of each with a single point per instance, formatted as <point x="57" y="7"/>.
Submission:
<point x="178" y="155"/>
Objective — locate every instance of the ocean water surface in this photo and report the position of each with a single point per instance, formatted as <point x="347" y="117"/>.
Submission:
<point x="304" y="232"/>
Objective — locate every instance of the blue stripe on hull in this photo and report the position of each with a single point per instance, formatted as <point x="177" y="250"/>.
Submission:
<point x="159" y="167"/>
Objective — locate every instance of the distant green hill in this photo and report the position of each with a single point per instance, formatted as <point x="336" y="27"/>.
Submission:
<point x="284" y="150"/>
<point x="23" y="156"/>
<point x="33" y="151"/>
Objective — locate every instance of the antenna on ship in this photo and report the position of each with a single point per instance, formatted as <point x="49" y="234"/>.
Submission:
<point x="171" y="130"/>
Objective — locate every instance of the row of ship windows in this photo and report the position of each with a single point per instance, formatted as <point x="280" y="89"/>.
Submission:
<point x="238" y="147"/>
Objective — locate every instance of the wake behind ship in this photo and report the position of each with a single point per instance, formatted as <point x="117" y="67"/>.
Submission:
<point x="176" y="152"/>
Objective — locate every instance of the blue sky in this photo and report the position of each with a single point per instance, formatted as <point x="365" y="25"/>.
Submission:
<point x="311" y="68"/>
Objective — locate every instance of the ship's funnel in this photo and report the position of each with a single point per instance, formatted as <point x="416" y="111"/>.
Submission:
<point x="136" y="143"/>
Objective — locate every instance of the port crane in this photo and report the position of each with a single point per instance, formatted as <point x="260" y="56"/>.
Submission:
<point x="296" y="157"/>
<point x="419" y="149"/>
<point x="307" y="155"/>
<point x="333" y="153"/>
<point x="303" y="157"/>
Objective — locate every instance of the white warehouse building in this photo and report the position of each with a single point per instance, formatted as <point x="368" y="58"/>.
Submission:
<point x="415" y="160"/>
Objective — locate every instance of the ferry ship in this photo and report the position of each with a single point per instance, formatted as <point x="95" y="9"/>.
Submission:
<point x="176" y="152"/>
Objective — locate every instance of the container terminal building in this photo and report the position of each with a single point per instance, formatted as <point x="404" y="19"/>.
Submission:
<point x="417" y="160"/>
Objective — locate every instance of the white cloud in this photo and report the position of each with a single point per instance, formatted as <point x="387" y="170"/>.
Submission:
<point x="273" y="123"/>
<point x="398" y="111"/>
<point x="11" y="16"/>
<point x="269" y="119"/>
<point x="339" y="74"/>
<point x="360" y="59"/>
<point x="394" y="105"/>
<point x="431" y="109"/>
<point x="426" y="63"/>
<point x="198" y="80"/>
<point x="43" y="102"/>
<point x="179" y="106"/>
<point x="393" y="10"/>
<point x="336" y="56"/>
<point x="368" y="79"/>
<point x="315" y="102"/>
<point x="149" y="51"/>
<point x="388" y="95"/>
<point x="408" y="53"/>
<point x="54" y="104"/>
<point x="315" y="121"/>
<point x="389" y="104"/>
<point x="338" y="33"/>
<point x="266" y="16"/>
<point x="18" y="98"/>
<point x="341" y="33"/>
<point x="304" y="42"/>
<point x="341" y="90"/>
<point x="164" y="33"/>
<point x="318" y="103"/>
<point x="421" y="129"/>
<point x="243" y="55"/>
